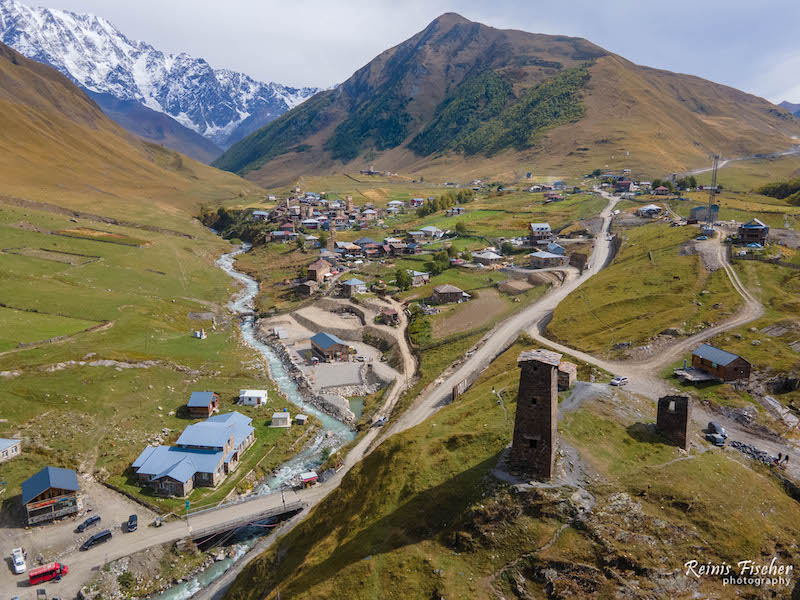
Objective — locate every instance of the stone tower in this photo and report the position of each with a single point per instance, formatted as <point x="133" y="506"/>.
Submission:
<point x="674" y="416"/>
<point x="533" y="450"/>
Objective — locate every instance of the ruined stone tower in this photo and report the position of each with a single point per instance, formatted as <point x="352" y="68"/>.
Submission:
<point x="674" y="416"/>
<point x="533" y="450"/>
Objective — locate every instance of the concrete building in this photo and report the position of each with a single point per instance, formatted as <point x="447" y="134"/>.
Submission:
<point x="533" y="449"/>
<point x="253" y="397"/>
<point x="203" y="404"/>
<point x="50" y="494"/>
<point x="674" y="416"/>
<point x="9" y="448"/>
<point x="330" y="347"/>
<point x="486" y="258"/>
<point x="649" y="211"/>
<point x="547" y="260"/>
<point x="723" y="365"/>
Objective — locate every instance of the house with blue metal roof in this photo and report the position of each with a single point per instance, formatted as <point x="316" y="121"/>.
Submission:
<point x="330" y="347"/>
<point x="354" y="286"/>
<point x="721" y="364"/>
<point x="52" y="493"/>
<point x="9" y="448"/>
<point x="753" y="231"/>
<point x="203" y="404"/>
<point x="203" y="455"/>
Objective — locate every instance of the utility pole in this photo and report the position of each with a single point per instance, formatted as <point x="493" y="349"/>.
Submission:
<point x="712" y="194"/>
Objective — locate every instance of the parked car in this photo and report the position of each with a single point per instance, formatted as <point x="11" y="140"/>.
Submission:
<point x="619" y="381"/>
<point x="97" y="538"/>
<point x="716" y="428"/>
<point x="133" y="523"/>
<point x="702" y="238"/>
<point x="715" y="439"/>
<point x="361" y="358"/>
<point x="93" y="520"/>
<point x="18" y="560"/>
<point x="380" y="422"/>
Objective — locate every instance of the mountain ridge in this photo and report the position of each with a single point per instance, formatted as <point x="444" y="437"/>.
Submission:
<point x="221" y="105"/>
<point x="409" y="92"/>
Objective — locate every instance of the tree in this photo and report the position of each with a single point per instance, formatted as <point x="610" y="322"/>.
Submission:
<point x="323" y="239"/>
<point x="403" y="279"/>
<point x="692" y="181"/>
<point x="507" y="248"/>
<point x="301" y="242"/>
<point x="657" y="183"/>
<point x="461" y="228"/>
<point x="466" y="256"/>
<point x="597" y="172"/>
<point x="452" y="252"/>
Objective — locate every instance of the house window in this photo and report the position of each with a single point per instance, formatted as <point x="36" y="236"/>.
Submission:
<point x="14" y="450"/>
<point x="671" y="406"/>
<point x="532" y="443"/>
<point x="5" y="453"/>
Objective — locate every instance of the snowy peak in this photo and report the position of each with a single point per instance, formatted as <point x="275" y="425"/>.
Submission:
<point x="220" y="104"/>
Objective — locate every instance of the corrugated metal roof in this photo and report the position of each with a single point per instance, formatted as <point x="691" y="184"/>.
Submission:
<point x="354" y="282"/>
<point x="199" y="399"/>
<point x="164" y="458"/>
<point x="715" y="355"/>
<point x="6" y="443"/>
<point x="214" y="435"/>
<point x="182" y="471"/>
<point x="49" y="477"/>
<point x="447" y="288"/>
<point x="326" y="340"/>
<point x="754" y="224"/>
<point x="143" y="456"/>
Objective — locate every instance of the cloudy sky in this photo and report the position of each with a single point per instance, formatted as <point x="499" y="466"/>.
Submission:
<point x="751" y="46"/>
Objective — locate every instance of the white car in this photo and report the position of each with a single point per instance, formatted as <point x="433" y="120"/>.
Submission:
<point x="619" y="381"/>
<point x="18" y="558"/>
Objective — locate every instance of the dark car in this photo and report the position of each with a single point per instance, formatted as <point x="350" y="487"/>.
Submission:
<point x="97" y="538"/>
<point x="133" y="523"/>
<point x="715" y="439"/>
<point x="93" y="520"/>
<point x="716" y="428"/>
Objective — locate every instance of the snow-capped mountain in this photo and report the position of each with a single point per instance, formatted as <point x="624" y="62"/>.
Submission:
<point x="221" y="105"/>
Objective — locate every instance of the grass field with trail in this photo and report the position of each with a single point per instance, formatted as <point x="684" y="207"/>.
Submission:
<point x="101" y="417"/>
<point x="647" y="288"/>
<point x="421" y="516"/>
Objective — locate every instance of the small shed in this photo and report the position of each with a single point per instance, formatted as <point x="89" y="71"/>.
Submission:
<point x="203" y="404"/>
<point x="724" y="365"/>
<point x="253" y="397"/>
<point x="301" y="419"/>
<point x="567" y="375"/>
<point x="281" y="419"/>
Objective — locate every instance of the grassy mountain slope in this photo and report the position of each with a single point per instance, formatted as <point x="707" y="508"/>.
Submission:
<point x="57" y="146"/>
<point x="422" y="516"/>
<point x="460" y="98"/>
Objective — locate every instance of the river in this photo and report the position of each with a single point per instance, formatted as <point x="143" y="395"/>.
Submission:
<point x="334" y="434"/>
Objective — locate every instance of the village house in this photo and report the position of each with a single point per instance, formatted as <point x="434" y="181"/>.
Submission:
<point x="753" y="232"/>
<point x="397" y="204"/>
<point x="417" y="202"/>
<point x="9" y="448"/>
<point x="413" y="248"/>
<point x="203" y="455"/>
<point x="559" y="185"/>
<point x="330" y="347"/>
<point x="624" y="185"/>
<point x="284" y="236"/>
<point x="455" y="211"/>
<point x="554" y="248"/>
<point x="281" y="419"/>
<point x="354" y="286"/>
<point x="253" y="397"/>
<point x="389" y="316"/>
<point x="449" y="294"/>
<point x="724" y="365"/>
<point x="50" y="494"/>
<point x="553" y="197"/>
<point x="259" y="215"/>
<point x="307" y="288"/>
<point x="431" y="231"/>
<point x="650" y="211"/>
<point x="419" y="278"/>
<point x="318" y="270"/>
<point x="415" y="236"/>
<point x="486" y="258"/>
<point x="661" y="191"/>
<point x="547" y="260"/>
<point x="540" y="234"/>
<point x="203" y="404"/>
<point x="369" y="214"/>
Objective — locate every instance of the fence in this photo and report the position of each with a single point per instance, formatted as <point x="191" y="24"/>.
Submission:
<point x="771" y="261"/>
